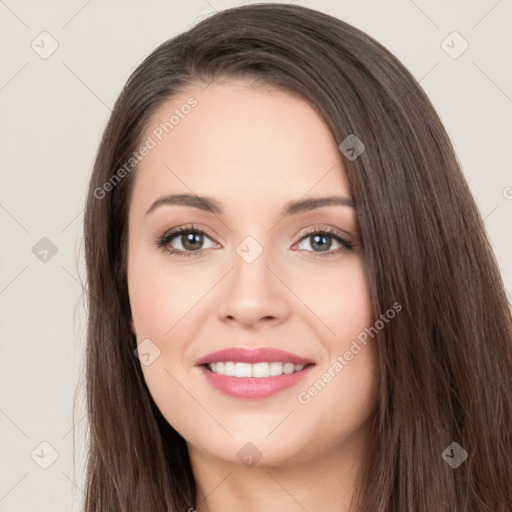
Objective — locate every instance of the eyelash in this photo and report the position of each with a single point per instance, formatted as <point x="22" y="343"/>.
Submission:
<point x="164" y="241"/>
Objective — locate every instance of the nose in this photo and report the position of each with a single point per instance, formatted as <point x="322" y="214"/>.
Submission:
<point x="253" y="292"/>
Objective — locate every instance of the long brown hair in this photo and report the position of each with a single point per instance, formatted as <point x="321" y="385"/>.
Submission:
<point x="445" y="361"/>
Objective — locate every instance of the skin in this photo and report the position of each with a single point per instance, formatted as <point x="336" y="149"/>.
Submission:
<point x="253" y="149"/>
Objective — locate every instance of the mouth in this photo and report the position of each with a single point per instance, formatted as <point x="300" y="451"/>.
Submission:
<point x="253" y="374"/>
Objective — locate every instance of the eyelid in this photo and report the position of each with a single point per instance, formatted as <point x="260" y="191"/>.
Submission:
<point x="163" y="240"/>
<point x="332" y="232"/>
<point x="342" y="237"/>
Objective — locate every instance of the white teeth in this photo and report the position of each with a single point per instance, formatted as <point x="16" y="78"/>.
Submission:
<point x="243" y="369"/>
<point x="229" y="368"/>
<point x="232" y="369"/>
<point x="260" y="370"/>
<point x="276" y="368"/>
<point x="288" y="368"/>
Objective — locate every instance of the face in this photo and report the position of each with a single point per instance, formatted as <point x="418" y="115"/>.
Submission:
<point x="254" y="277"/>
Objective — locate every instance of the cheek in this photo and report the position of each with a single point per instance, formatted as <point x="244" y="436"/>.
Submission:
<point x="158" y="302"/>
<point x="342" y="301"/>
<point x="349" y="374"/>
<point x="160" y="295"/>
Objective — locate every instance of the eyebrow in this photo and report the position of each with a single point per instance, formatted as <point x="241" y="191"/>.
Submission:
<point x="210" y="205"/>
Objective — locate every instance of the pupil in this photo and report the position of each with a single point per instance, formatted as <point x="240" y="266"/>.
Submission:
<point x="317" y="240"/>
<point x="190" y="239"/>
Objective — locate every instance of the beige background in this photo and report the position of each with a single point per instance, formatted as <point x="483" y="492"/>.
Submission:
<point x="53" y="111"/>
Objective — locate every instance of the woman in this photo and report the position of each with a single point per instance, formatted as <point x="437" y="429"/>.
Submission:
<point x="235" y="356"/>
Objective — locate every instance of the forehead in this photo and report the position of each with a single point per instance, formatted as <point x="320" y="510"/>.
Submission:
<point x="246" y="145"/>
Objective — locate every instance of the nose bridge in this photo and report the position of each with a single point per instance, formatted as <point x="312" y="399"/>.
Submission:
<point x="251" y="279"/>
<point x="251" y="261"/>
<point x="251" y="290"/>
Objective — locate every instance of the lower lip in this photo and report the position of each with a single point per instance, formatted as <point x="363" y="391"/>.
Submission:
<point x="253" y="387"/>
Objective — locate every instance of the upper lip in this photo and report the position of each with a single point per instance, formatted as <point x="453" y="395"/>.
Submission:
<point x="246" y="355"/>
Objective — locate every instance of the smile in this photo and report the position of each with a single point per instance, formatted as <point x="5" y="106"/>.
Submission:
<point x="254" y="387"/>
<point x="257" y="370"/>
<point x="253" y="373"/>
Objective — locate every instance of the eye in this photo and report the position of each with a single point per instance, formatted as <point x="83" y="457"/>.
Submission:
<point x="322" y="239"/>
<point x="191" y="240"/>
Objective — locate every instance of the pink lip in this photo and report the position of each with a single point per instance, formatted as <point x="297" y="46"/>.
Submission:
<point x="253" y="387"/>
<point x="258" y="355"/>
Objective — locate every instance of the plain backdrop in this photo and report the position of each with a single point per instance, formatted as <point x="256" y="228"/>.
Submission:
<point x="62" y="65"/>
